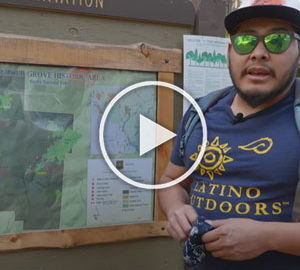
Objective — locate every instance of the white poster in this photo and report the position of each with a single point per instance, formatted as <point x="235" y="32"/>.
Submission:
<point x="112" y="201"/>
<point x="205" y="65"/>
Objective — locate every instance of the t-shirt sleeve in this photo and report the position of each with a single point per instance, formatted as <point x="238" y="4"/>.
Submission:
<point x="175" y="155"/>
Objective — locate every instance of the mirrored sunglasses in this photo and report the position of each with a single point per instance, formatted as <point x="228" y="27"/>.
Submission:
<point x="274" y="42"/>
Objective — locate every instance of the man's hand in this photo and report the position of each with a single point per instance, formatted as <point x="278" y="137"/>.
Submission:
<point x="236" y="239"/>
<point x="174" y="201"/>
<point x="180" y="221"/>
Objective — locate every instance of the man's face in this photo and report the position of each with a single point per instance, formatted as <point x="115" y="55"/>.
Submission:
<point x="260" y="76"/>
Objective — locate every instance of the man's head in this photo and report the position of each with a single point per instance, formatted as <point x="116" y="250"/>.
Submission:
<point x="263" y="54"/>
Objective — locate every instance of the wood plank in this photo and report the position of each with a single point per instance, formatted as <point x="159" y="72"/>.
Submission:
<point x="42" y="51"/>
<point x="79" y="237"/>
<point x="171" y="12"/>
<point x="165" y="117"/>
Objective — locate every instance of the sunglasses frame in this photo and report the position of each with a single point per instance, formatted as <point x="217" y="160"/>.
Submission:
<point x="262" y="38"/>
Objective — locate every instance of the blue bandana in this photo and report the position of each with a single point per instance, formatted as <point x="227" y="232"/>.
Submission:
<point x="194" y="250"/>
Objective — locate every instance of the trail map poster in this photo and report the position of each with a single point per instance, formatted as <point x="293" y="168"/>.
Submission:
<point x="50" y="161"/>
<point x="205" y="65"/>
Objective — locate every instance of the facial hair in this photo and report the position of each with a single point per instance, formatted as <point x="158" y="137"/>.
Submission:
<point x="256" y="99"/>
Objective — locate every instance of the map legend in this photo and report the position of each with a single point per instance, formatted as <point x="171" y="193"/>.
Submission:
<point x="112" y="201"/>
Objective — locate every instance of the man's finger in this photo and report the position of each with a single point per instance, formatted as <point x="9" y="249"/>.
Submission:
<point x="180" y="235"/>
<point x="185" y="225"/>
<point x="213" y="246"/>
<point x="191" y="215"/>
<point x="173" y="233"/>
<point x="187" y="220"/>
<point x="210" y="236"/>
<point x="220" y="254"/>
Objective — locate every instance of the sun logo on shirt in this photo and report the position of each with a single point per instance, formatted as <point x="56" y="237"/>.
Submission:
<point x="214" y="158"/>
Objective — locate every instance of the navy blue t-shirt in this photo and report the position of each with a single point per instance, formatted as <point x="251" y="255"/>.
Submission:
<point x="249" y="170"/>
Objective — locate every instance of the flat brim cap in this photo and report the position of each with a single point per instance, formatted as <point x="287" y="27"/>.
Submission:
<point x="283" y="12"/>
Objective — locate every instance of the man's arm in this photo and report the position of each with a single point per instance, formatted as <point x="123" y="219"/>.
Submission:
<point x="175" y="203"/>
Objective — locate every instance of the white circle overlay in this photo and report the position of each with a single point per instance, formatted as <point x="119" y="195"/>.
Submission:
<point x="108" y="109"/>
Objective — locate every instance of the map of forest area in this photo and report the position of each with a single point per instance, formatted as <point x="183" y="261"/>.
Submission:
<point x="49" y="120"/>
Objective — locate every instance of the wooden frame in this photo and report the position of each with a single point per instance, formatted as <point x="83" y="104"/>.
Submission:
<point x="138" y="57"/>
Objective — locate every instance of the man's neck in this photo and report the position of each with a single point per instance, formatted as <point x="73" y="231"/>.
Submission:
<point x="239" y="105"/>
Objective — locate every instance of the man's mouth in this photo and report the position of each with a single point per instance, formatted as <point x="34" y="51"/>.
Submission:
<point x="258" y="73"/>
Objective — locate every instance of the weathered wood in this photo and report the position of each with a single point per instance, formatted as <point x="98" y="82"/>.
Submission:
<point x="210" y="16"/>
<point x="174" y="12"/>
<point x="79" y="237"/>
<point x="165" y="116"/>
<point x="42" y="51"/>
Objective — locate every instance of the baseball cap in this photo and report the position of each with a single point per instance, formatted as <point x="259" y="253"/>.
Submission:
<point x="288" y="10"/>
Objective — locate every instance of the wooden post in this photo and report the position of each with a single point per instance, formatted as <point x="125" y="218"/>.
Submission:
<point x="165" y="117"/>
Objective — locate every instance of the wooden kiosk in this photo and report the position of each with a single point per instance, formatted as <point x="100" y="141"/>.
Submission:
<point x="139" y="57"/>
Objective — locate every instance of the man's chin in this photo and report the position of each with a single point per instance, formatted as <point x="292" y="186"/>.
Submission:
<point x="255" y="98"/>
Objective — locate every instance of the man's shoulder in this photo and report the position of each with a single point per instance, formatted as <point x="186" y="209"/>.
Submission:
<point x="297" y="90"/>
<point x="204" y="103"/>
<point x="210" y="99"/>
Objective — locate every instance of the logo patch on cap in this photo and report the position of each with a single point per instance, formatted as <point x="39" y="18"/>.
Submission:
<point x="268" y="2"/>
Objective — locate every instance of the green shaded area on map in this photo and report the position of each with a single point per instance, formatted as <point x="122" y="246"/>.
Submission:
<point x="5" y="102"/>
<point x="57" y="151"/>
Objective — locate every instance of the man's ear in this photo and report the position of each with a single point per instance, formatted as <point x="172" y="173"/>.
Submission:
<point x="229" y="48"/>
<point x="298" y="53"/>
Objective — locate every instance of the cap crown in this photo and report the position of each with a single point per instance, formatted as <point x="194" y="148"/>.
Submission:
<point x="289" y="3"/>
<point x="288" y="10"/>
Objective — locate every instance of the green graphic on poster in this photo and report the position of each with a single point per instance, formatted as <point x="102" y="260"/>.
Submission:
<point x="206" y="59"/>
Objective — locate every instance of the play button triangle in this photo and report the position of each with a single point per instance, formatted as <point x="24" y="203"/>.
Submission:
<point x="152" y="135"/>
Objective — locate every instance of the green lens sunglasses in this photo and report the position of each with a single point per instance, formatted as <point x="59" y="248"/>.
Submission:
<point x="274" y="42"/>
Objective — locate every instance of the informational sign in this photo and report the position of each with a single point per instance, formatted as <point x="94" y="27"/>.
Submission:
<point x="51" y="169"/>
<point x="205" y="65"/>
<point x="169" y="11"/>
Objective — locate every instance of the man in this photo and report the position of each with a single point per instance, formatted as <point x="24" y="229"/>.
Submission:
<point x="246" y="183"/>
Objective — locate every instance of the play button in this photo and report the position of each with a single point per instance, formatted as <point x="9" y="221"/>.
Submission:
<point x="159" y="136"/>
<point x="152" y="135"/>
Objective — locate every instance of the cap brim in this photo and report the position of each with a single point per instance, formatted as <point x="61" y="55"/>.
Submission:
<point x="235" y="18"/>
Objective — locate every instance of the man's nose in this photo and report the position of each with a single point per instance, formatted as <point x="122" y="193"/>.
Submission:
<point x="259" y="52"/>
